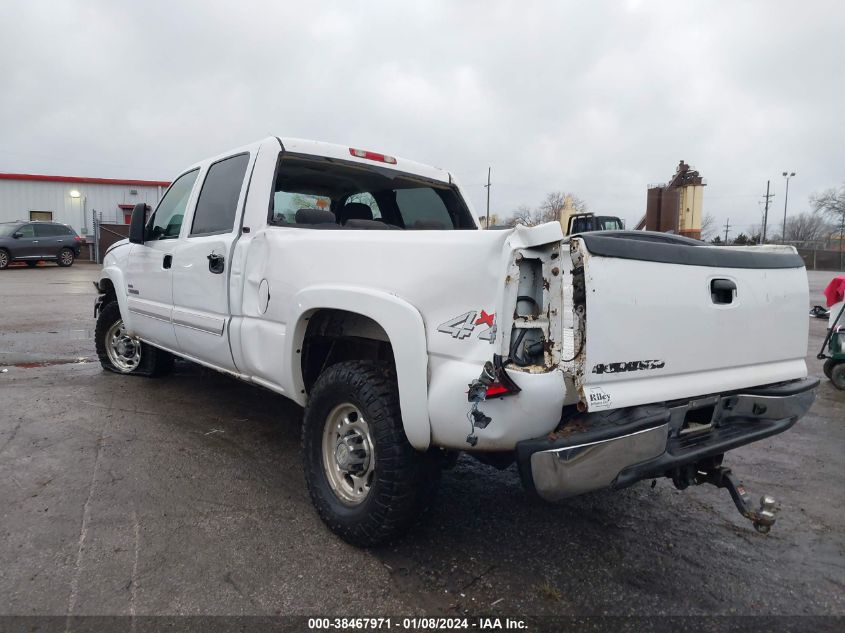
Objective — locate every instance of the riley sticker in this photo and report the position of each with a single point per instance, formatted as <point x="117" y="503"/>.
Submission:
<point x="598" y="399"/>
<point x="464" y="325"/>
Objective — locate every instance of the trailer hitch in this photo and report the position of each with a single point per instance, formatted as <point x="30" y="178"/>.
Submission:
<point x="763" y="518"/>
<point x="712" y="472"/>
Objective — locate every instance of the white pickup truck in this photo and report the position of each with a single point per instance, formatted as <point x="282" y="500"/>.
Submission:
<point x="360" y="286"/>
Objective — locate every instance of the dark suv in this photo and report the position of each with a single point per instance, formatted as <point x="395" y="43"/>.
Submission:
<point x="31" y="242"/>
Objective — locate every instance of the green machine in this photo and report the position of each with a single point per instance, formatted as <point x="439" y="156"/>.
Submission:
<point x="833" y="350"/>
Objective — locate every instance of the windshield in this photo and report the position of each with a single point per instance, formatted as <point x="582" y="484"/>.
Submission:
<point x="313" y="191"/>
<point x="7" y="229"/>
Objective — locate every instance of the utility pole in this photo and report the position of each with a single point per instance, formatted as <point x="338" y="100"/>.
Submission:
<point x="766" y="212"/>
<point x="487" y="186"/>
<point x="727" y="228"/>
<point x="842" y="243"/>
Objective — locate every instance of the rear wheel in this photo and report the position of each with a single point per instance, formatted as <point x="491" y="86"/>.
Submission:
<point x="366" y="481"/>
<point x="124" y="354"/>
<point x="4" y="258"/>
<point x="837" y="375"/>
<point x="66" y="257"/>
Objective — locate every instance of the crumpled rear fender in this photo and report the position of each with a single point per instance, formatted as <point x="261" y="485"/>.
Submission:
<point x="403" y="325"/>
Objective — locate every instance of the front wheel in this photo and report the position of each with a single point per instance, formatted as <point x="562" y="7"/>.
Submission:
<point x="4" y="258"/>
<point x="837" y="375"/>
<point x="366" y="481"/>
<point x="66" y="258"/>
<point x="124" y="354"/>
<point x="828" y="366"/>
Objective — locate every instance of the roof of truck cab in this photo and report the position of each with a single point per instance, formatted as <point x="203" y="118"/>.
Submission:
<point x="342" y="152"/>
<point x="338" y="152"/>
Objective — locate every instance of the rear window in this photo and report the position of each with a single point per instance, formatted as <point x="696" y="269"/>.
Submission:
<point x="51" y="230"/>
<point x="313" y="192"/>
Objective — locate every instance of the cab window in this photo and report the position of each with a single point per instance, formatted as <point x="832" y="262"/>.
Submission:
<point x="166" y="221"/>
<point x="218" y="201"/>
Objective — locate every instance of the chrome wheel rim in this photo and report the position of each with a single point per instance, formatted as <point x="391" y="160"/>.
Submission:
<point x="124" y="351"/>
<point x="4" y="259"/>
<point x="348" y="454"/>
<point x="67" y="258"/>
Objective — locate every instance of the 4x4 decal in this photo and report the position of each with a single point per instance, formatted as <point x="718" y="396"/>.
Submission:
<point x="465" y="324"/>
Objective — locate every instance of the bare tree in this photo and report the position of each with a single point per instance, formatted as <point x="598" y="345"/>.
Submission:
<point x="548" y="211"/>
<point x="523" y="215"/>
<point x="831" y="204"/>
<point x="708" y="227"/>
<point x="806" y="227"/>
<point x="554" y="202"/>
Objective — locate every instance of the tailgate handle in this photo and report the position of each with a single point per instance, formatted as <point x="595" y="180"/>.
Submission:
<point x="722" y="291"/>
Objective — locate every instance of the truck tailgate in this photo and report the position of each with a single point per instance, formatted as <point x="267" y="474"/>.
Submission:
<point x="667" y="318"/>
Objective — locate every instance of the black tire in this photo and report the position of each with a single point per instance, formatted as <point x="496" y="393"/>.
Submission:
<point x="153" y="361"/>
<point x="66" y="257"/>
<point x="32" y="264"/>
<point x="828" y="367"/>
<point x="404" y="481"/>
<point x="837" y="375"/>
<point x="5" y="258"/>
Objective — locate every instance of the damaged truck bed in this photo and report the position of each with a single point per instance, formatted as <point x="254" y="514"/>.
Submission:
<point x="360" y="286"/>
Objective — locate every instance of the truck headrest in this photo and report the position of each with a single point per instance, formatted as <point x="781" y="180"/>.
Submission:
<point x="314" y="216"/>
<point x="355" y="211"/>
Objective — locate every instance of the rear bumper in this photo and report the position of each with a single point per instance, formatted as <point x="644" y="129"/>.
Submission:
<point x="618" y="448"/>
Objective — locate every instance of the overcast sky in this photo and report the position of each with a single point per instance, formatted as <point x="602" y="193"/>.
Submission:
<point x="597" y="98"/>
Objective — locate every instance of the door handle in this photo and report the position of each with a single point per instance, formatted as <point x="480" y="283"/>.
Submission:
<point x="168" y="261"/>
<point x="216" y="263"/>
<point x="722" y="291"/>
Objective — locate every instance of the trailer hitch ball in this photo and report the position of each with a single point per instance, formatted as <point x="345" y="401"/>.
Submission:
<point x="762" y="518"/>
<point x="766" y="514"/>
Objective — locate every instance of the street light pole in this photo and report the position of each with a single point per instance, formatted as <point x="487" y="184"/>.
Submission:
<point x="785" y="200"/>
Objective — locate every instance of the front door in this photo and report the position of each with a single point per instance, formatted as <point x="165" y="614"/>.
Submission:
<point x="149" y="271"/>
<point x="26" y="245"/>
<point x="202" y="261"/>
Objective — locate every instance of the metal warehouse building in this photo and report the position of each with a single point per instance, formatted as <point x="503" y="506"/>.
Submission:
<point x="74" y="200"/>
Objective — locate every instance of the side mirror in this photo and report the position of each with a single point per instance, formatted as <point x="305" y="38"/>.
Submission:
<point x="137" y="223"/>
<point x="17" y="235"/>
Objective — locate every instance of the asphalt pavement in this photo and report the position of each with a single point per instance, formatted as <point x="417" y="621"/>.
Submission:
<point x="185" y="495"/>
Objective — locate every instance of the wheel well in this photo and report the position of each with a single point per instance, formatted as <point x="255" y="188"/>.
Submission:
<point x="334" y="336"/>
<point x="106" y="287"/>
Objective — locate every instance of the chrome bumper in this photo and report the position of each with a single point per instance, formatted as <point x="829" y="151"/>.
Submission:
<point x="619" y="449"/>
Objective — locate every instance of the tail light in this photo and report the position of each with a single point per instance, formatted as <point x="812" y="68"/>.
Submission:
<point x="78" y="239"/>
<point x="498" y="389"/>
<point x="495" y="380"/>
<point x="363" y="153"/>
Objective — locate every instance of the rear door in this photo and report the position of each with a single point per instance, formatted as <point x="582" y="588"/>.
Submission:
<point x="52" y="238"/>
<point x="668" y="321"/>
<point x="202" y="261"/>
<point x="149" y="275"/>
